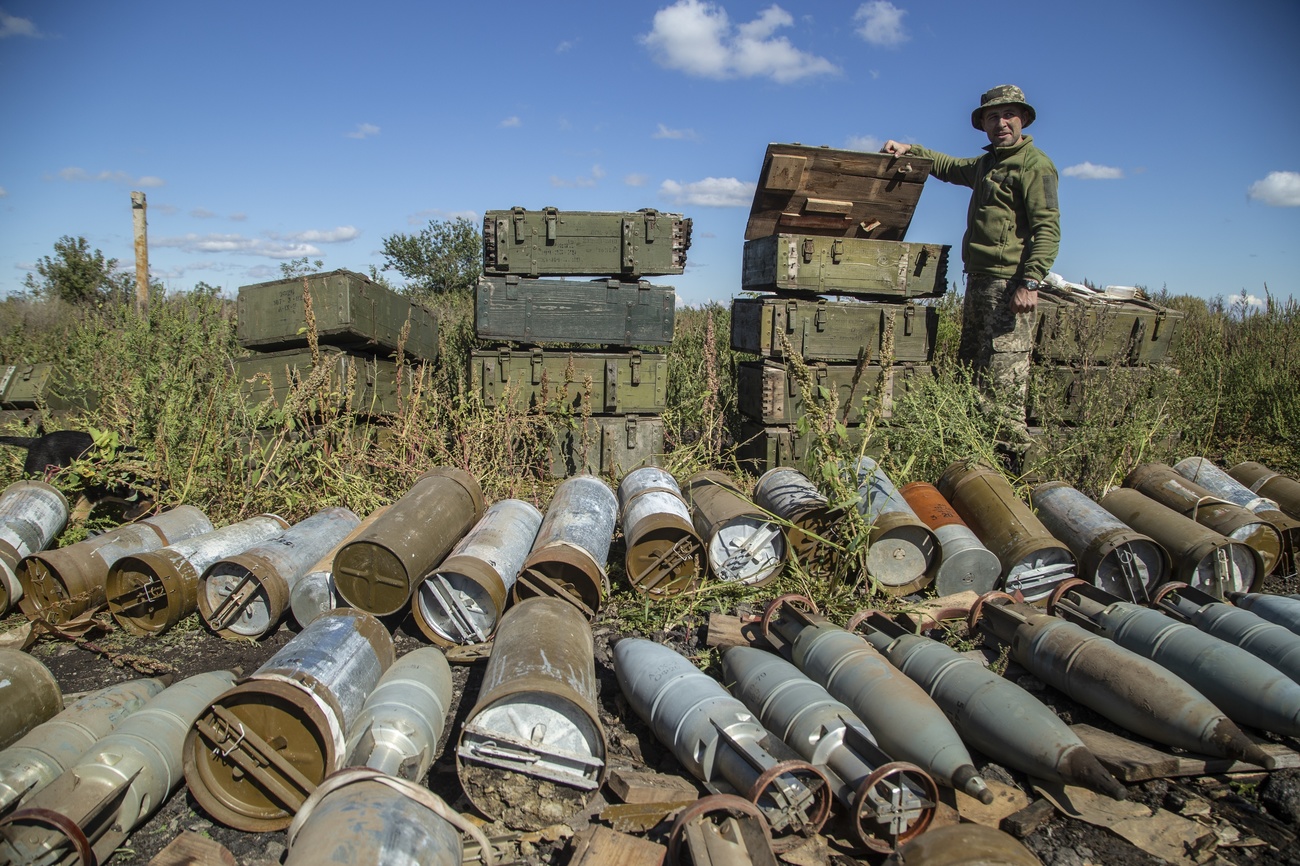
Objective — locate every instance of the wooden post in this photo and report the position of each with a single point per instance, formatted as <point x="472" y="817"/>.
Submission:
<point x="141" y="253"/>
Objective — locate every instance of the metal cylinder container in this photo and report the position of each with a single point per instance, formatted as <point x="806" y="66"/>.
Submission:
<point x="257" y="751"/>
<point x="1200" y="556"/>
<point x="743" y="544"/>
<point x="664" y="553"/>
<point x="1033" y="561"/>
<point x="247" y="594"/>
<point x="1110" y="554"/>
<point x="379" y="569"/>
<point x="1201" y="471"/>
<point x="314" y="593"/>
<point x="571" y="549"/>
<point x="1275" y="644"/>
<point x="963" y="845"/>
<point x="402" y="720"/>
<point x="61" y="584"/>
<point x="89" y="810"/>
<point x="532" y="752"/>
<point x="47" y="750"/>
<point x="149" y="593"/>
<point x="811" y="522"/>
<point x="902" y="549"/>
<point x="462" y="600"/>
<point x="1164" y="485"/>
<point x="1281" y="609"/>
<point x="1282" y="489"/>
<point x="29" y="695"/>
<point x="32" y="514"/>
<point x="965" y="564"/>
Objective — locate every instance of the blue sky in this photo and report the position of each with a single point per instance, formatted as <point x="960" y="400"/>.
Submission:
<point x="263" y="132"/>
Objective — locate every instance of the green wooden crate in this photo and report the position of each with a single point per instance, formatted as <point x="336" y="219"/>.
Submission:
<point x="769" y="392"/>
<point x="538" y="380"/>
<point x="821" y="330"/>
<point x="552" y="242"/>
<point x="604" y="312"/>
<point x="766" y="446"/>
<point x="350" y="310"/>
<point x="1074" y="330"/>
<point x="43" y="386"/>
<point x="271" y="375"/>
<point x="606" y="445"/>
<point x="1060" y="393"/>
<point x="844" y="266"/>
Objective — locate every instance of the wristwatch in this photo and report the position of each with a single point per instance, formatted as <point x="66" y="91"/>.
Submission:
<point x="1031" y="285"/>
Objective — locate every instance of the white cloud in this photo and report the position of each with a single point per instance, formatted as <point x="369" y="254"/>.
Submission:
<point x="363" y="130"/>
<point x="73" y="174"/>
<point x="150" y="181"/>
<point x="881" y="23"/>
<point x="238" y="217"/>
<point x="868" y="143"/>
<point x="11" y="25"/>
<point x="4" y="193"/>
<point x="566" y="45"/>
<point x="699" y="39"/>
<point x="233" y="243"/>
<point x="586" y="181"/>
<point x="1088" y="171"/>
<point x="510" y="122"/>
<point x="202" y="213"/>
<point x="1279" y="189"/>
<point x="635" y="179"/>
<point x="710" y="192"/>
<point x="342" y="234"/>
<point x="675" y="134"/>
<point x="1245" y="303"/>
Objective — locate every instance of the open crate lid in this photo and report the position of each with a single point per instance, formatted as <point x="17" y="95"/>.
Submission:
<point x="837" y="193"/>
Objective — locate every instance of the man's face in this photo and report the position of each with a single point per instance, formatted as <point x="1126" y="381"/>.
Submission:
<point x="1002" y="124"/>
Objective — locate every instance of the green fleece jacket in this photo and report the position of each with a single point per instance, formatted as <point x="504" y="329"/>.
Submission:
<point x="1013" y="225"/>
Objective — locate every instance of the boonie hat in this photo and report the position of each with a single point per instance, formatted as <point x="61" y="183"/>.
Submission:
<point x="1003" y="94"/>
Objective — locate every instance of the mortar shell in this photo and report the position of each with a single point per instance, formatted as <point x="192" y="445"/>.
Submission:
<point x="314" y="593"/>
<point x="403" y="719"/>
<point x="533" y="750"/>
<point x="246" y="595"/>
<point x="1164" y="485"/>
<point x="1110" y="554"/>
<point x="149" y="593"/>
<point x="664" y="554"/>
<point x="1033" y="561"/>
<point x="1275" y="644"/>
<point x="571" y="550"/>
<point x="1281" y="609"/>
<point x="1200" y="556"/>
<point x="61" y="584"/>
<point x="964" y="563"/>
<point x="462" y="601"/>
<point x="811" y="520"/>
<point x="29" y="695"/>
<point x="743" y="545"/>
<point x="1282" y="489"/>
<point x="258" y="750"/>
<point x="379" y="569"/>
<point x="32" y="514"/>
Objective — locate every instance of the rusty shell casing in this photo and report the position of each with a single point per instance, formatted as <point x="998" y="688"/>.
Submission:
<point x="717" y="738"/>
<point x="358" y="817"/>
<point x="1164" y="485"/>
<point x="402" y="720"/>
<point x="379" y="569"/>
<point x="116" y="786"/>
<point x="905" y="721"/>
<point x="532" y="752"/>
<point x="462" y="601"/>
<point x="50" y="748"/>
<point x="149" y="593"/>
<point x="32" y="514"/>
<point x="314" y="593"/>
<point x="1033" y="561"/>
<point x="1201" y="557"/>
<point x="29" y="695"/>
<point x="1281" y="609"/>
<point x="965" y="564"/>
<point x="903" y="550"/>
<point x="1110" y="554"/>
<point x="258" y="750"/>
<point x="811" y="522"/>
<point x="61" y="584"/>
<point x="1248" y="690"/>
<point x="963" y="845"/>
<point x="665" y="555"/>
<point x="1282" y="489"/>
<point x="991" y="712"/>
<point x="571" y="550"/>
<point x="743" y="544"/>
<point x="1129" y="689"/>
<point x="246" y="595"/>
<point x="888" y="802"/>
<point x="1275" y="644"/>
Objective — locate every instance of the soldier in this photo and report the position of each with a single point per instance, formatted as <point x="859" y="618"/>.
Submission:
<point x="1013" y="230"/>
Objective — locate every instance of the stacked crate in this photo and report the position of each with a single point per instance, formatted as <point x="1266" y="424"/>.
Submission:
<point x="360" y="327"/>
<point x="32" y="393"/>
<point x="608" y="396"/>
<point x="831" y="223"/>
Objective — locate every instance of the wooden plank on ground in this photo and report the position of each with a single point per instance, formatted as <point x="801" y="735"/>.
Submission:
<point x="1131" y="761"/>
<point x="601" y="846"/>
<point x="191" y="849"/>
<point x="726" y="630"/>
<point x="928" y="613"/>
<point x="644" y="786"/>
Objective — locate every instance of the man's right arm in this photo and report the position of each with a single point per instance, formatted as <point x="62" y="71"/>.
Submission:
<point x="946" y="168"/>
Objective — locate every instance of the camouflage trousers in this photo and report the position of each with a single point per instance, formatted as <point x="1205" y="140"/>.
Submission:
<point x="996" y="343"/>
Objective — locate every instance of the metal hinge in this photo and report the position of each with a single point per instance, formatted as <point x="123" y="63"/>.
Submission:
<point x="611" y="385"/>
<point x="520" y="217"/>
<point x="651" y="221"/>
<point x="820" y="318"/>
<point x="908" y="314"/>
<point x="537" y="359"/>
<point x="631" y="424"/>
<point x="552" y="217"/>
<point x="837" y="251"/>
<point x="635" y="361"/>
<point x="791" y="313"/>
<point x="808" y="250"/>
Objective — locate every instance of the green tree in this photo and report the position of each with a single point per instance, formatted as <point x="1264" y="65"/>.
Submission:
<point x="79" y="276"/>
<point x="445" y="256"/>
<point x="300" y="267"/>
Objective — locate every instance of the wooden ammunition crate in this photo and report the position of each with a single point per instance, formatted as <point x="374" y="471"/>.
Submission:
<point x="769" y="391"/>
<point x="766" y="446"/>
<point x="606" y="445"/>
<point x="1075" y="330"/>
<point x="821" y="330"/>
<point x="538" y="380"/>
<point x="374" y="388"/>
<point x="1066" y="394"/>
<point x="43" y="386"/>
<point x="844" y="266"/>
<point x="552" y="242"/>
<point x="603" y="312"/>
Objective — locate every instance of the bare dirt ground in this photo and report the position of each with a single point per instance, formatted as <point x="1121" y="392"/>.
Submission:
<point x="1257" y="818"/>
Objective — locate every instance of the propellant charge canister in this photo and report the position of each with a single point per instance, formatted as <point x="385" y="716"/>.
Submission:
<point x="29" y="695"/>
<point x="32" y="514"/>
<point x="902" y="549"/>
<point x="811" y="522"/>
<point x="1282" y="489"/>
<point x="744" y="545"/>
<point x="664" y="553"/>
<point x="314" y="593"/>
<point x="965" y="564"/>
<point x="1201" y="471"/>
<point x="572" y="546"/>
